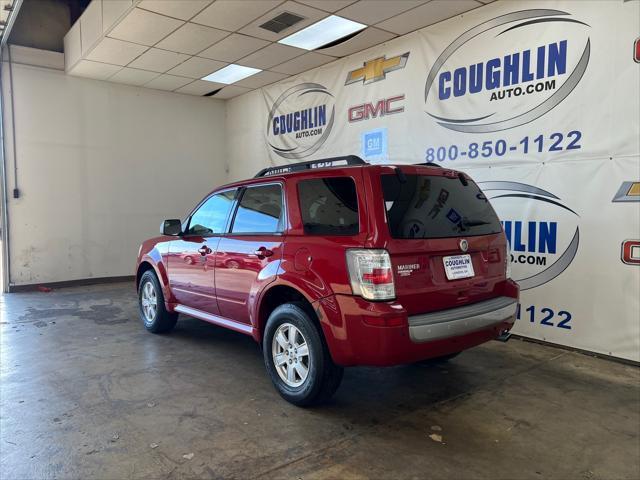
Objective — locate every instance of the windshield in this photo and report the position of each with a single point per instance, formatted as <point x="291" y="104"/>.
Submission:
<point x="436" y="207"/>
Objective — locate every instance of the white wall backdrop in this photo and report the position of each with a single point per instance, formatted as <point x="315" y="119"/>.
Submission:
<point x="539" y="101"/>
<point x="99" y="166"/>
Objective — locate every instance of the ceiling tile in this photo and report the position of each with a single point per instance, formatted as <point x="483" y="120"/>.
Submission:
<point x="182" y="9"/>
<point x="231" y="91"/>
<point x="231" y="15"/>
<point x="117" y="52"/>
<point x="370" y="12"/>
<point x="427" y="14"/>
<point x="72" y="46"/>
<point x="302" y="63"/>
<point x="146" y="28"/>
<point x="200" y="87"/>
<point x="234" y="47"/>
<point x="168" y="82"/>
<point x="157" y="60"/>
<point x="365" y="39"/>
<point x="133" y="76"/>
<point x="97" y="70"/>
<point x="112" y="10"/>
<point x="91" y="25"/>
<point x="310" y="15"/>
<point x="327" y="5"/>
<point x="261" y="79"/>
<point x="274" y="54"/>
<point x="192" y="38"/>
<point x="197" y="67"/>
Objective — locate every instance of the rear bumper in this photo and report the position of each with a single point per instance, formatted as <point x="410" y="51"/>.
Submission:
<point x="359" y="332"/>
<point x="461" y="320"/>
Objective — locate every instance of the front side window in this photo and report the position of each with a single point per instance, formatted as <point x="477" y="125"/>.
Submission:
<point x="260" y="210"/>
<point x="211" y="217"/>
<point x="329" y="206"/>
<point x="425" y="206"/>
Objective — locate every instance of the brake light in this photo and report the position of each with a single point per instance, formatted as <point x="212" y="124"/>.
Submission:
<point x="370" y="274"/>
<point x="378" y="276"/>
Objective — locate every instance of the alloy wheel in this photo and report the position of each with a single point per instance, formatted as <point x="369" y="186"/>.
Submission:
<point x="149" y="301"/>
<point x="290" y="355"/>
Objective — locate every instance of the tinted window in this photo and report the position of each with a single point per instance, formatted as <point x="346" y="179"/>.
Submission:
<point x="436" y="207"/>
<point x="260" y="210"/>
<point x="329" y="206"/>
<point x="211" y="216"/>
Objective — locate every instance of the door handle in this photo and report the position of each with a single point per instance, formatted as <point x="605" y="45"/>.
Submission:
<point x="263" y="252"/>
<point x="204" y="250"/>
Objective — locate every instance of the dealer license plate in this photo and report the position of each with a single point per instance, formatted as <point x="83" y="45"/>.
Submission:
<point x="458" y="266"/>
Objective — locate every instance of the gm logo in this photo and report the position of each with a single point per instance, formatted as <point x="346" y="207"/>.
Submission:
<point x="374" y="145"/>
<point x="376" y="69"/>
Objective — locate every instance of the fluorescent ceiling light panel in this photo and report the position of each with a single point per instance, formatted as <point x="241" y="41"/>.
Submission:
<point x="231" y="74"/>
<point x="323" y="32"/>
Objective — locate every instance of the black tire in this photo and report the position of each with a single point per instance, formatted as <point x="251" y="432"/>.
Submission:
<point x="323" y="377"/>
<point x="162" y="321"/>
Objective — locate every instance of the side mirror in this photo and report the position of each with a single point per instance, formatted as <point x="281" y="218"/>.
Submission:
<point x="171" y="227"/>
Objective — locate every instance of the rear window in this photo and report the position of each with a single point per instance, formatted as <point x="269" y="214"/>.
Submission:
<point x="436" y="207"/>
<point x="329" y="206"/>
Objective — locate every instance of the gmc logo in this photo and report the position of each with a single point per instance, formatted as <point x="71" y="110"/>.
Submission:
<point x="381" y="108"/>
<point x="631" y="252"/>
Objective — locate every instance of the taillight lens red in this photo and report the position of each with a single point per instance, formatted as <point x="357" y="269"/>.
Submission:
<point x="379" y="276"/>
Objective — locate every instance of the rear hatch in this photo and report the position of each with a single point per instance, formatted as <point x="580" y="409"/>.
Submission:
<point x="445" y="241"/>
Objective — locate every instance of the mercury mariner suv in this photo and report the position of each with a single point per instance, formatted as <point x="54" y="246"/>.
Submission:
<point x="336" y="263"/>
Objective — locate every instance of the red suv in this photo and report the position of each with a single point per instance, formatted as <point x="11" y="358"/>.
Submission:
<point x="335" y="263"/>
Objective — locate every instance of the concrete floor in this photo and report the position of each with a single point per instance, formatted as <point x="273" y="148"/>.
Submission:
<point x="87" y="393"/>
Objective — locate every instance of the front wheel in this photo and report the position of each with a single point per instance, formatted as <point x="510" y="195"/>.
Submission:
<point x="152" y="310"/>
<point x="297" y="358"/>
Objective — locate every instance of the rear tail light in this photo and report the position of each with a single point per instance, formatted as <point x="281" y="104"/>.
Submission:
<point x="371" y="274"/>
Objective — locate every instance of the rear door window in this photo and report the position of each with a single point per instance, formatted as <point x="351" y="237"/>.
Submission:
<point x="260" y="210"/>
<point x="436" y="207"/>
<point x="329" y="206"/>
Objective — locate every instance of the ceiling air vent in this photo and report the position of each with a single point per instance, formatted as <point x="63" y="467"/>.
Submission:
<point x="281" y="22"/>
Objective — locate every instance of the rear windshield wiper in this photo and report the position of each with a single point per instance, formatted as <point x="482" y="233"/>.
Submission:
<point x="473" y="223"/>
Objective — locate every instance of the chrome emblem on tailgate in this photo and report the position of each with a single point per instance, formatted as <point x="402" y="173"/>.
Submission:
<point x="464" y="245"/>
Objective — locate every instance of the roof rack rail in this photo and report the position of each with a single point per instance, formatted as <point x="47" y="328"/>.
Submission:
<point x="320" y="163"/>
<point x="429" y="164"/>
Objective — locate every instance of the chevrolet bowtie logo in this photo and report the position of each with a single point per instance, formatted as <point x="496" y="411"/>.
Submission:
<point x="376" y="69"/>
<point x="628" y="192"/>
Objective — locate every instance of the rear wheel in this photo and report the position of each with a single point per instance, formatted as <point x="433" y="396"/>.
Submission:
<point x="152" y="310"/>
<point x="297" y="358"/>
